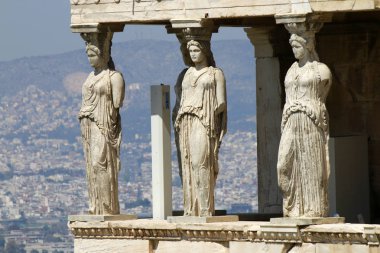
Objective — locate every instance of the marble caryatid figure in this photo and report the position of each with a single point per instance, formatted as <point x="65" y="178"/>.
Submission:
<point x="200" y="120"/>
<point x="303" y="164"/>
<point x="102" y="96"/>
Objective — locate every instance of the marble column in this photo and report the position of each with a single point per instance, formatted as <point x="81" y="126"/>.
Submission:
<point x="199" y="115"/>
<point x="100" y="121"/>
<point x="303" y="162"/>
<point x="268" y="117"/>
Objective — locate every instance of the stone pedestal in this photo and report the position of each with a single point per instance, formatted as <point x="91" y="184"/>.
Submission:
<point x="207" y="219"/>
<point x="91" y="218"/>
<point x="304" y="221"/>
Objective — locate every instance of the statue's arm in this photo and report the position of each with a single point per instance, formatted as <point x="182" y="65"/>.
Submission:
<point x="118" y="89"/>
<point x="326" y="77"/>
<point x="220" y="91"/>
<point x="178" y="93"/>
<point x="178" y="85"/>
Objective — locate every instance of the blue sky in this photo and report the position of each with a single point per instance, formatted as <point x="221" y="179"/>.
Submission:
<point x="42" y="27"/>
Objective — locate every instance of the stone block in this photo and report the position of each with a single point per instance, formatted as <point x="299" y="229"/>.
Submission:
<point x="258" y="247"/>
<point x="86" y="218"/>
<point x="189" y="247"/>
<point x="206" y="219"/>
<point x="342" y="248"/>
<point x="302" y="221"/>
<point x="303" y="248"/>
<point x="111" y="246"/>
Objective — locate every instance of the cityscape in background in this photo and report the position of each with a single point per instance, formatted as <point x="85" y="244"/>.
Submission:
<point x="41" y="158"/>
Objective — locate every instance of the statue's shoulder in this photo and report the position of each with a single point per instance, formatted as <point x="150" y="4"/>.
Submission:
<point x="115" y="72"/>
<point x="116" y="77"/>
<point x="218" y="74"/>
<point x="217" y="71"/>
<point x="323" y="70"/>
<point x="294" y="65"/>
<point x="323" y="67"/>
<point x="183" y="72"/>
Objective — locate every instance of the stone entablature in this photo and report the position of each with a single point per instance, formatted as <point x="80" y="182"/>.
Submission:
<point x="161" y="11"/>
<point x="243" y="231"/>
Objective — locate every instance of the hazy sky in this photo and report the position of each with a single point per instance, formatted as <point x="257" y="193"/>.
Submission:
<point x="42" y="27"/>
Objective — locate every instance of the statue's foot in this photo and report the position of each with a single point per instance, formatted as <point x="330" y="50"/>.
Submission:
<point x="107" y="210"/>
<point x="205" y="213"/>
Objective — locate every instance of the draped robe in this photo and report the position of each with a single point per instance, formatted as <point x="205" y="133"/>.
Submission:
<point x="199" y="129"/>
<point x="303" y="164"/>
<point x="101" y="134"/>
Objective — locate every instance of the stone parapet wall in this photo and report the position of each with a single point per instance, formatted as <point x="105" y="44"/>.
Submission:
<point x="229" y="237"/>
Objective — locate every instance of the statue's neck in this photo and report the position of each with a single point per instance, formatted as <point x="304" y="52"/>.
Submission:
<point x="99" y="70"/>
<point x="305" y="60"/>
<point x="201" y="65"/>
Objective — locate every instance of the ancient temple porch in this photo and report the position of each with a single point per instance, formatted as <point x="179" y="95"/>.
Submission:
<point x="349" y="43"/>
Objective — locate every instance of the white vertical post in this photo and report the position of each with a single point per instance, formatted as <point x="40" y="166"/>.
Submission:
<point x="161" y="151"/>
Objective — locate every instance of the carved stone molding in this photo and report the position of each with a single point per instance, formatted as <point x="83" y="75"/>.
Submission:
<point x="326" y="237"/>
<point x="229" y="231"/>
<point x="192" y="29"/>
<point x="109" y="230"/>
<point x="280" y="233"/>
<point x="303" y="18"/>
<point x="304" y="25"/>
<point x="372" y="235"/>
<point x="97" y="28"/>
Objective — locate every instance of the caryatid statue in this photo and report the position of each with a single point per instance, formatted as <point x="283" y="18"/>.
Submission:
<point x="102" y="97"/>
<point x="200" y="121"/>
<point x="303" y="161"/>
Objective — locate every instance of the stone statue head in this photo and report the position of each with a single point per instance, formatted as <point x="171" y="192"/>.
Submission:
<point x="98" y="49"/>
<point x="205" y="48"/>
<point x="304" y="46"/>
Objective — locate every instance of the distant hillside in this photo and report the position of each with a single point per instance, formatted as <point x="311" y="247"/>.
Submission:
<point x="143" y="63"/>
<point x="41" y="160"/>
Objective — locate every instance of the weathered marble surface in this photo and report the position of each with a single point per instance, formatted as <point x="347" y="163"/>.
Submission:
<point x="200" y="122"/>
<point x="303" y="160"/>
<point x="204" y="219"/>
<point x="307" y="220"/>
<point x="190" y="247"/>
<point x="100" y="124"/>
<point x="111" y="246"/>
<point x="228" y="237"/>
<point x="90" y="218"/>
<point x="109" y="11"/>
<point x="268" y="117"/>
